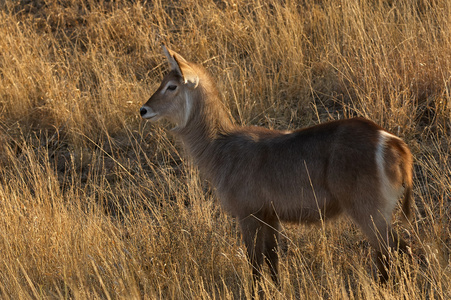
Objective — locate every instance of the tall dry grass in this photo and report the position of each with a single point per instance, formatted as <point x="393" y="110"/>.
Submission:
<point x="96" y="203"/>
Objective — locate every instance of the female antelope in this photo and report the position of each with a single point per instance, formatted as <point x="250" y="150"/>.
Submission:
<point x="266" y="176"/>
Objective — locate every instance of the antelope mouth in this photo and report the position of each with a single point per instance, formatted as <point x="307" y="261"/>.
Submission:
<point x="147" y="113"/>
<point x="149" y="117"/>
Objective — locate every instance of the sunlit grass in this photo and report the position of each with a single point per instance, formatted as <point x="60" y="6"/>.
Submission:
<point x="96" y="203"/>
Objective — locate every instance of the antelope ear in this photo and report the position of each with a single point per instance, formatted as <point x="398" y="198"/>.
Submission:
<point x="181" y="66"/>
<point x="173" y="65"/>
<point x="189" y="76"/>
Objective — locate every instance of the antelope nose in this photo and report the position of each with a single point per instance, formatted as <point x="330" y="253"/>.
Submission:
<point x="143" y="111"/>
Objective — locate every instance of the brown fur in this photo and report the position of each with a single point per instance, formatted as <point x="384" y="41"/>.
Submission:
<point x="266" y="176"/>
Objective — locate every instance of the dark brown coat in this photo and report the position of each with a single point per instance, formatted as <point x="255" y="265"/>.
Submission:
<point x="266" y="176"/>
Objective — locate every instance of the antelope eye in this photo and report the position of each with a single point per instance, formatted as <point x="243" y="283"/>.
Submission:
<point x="172" y="87"/>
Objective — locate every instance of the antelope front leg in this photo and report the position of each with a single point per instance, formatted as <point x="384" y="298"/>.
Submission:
<point x="253" y="237"/>
<point x="271" y="239"/>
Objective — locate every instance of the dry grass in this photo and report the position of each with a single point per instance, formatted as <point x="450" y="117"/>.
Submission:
<point x="96" y="203"/>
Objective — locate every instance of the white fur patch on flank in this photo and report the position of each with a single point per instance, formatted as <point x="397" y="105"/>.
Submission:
<point x="388" y="191"/>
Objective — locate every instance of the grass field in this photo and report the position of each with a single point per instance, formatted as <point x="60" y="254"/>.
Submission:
<point x="96" y="203"/>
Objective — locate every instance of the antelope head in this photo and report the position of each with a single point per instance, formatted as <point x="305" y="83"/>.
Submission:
<point x="173" y="98"/>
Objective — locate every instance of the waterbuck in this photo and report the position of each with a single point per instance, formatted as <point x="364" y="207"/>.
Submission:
<point x="263" y="177"/>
